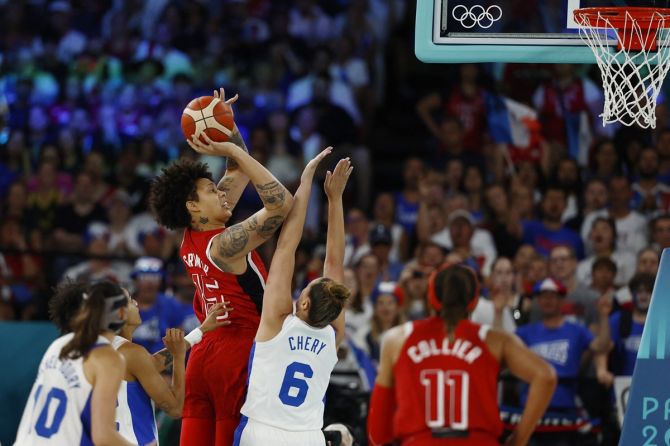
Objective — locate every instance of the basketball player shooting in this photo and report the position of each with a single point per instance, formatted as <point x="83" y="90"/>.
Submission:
<point x="224" y="265"/>
<point x="438" y="377"/>
<point x="295" y="351"/>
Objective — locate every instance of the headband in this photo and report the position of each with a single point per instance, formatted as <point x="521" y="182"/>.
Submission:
<point x="110" y="319"/>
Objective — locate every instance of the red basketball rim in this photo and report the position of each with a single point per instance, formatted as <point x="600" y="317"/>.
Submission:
<point x="625" y="19"/>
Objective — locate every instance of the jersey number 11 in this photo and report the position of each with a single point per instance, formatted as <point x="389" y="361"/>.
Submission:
<point x="446" y="398"/>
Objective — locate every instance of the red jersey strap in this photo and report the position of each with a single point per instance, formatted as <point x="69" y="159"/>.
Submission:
<point x="380" y="416"/>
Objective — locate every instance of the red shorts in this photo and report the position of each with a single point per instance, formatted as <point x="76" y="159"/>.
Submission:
<point x="216" y="375"/>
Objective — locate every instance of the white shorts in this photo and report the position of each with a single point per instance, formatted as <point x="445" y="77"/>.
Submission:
<point x="253" y="433"/>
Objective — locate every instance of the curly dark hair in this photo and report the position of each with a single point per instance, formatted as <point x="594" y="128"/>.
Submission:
<point x="65" y="304"/>
<point x="172" y="189"/>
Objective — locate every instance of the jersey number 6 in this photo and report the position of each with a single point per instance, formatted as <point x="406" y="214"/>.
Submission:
<point x="291" y="381"/>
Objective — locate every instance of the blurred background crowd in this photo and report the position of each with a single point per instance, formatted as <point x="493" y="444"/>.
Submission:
<point x="504" y="167"/>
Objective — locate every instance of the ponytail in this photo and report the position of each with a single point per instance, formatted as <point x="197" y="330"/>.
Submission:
<point x="98" y="313"/>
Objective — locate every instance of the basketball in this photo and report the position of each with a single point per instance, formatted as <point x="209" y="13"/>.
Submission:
<point x="210" y="115"/>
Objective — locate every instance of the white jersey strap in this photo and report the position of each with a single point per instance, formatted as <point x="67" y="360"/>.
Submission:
<point x="408" y="328"/>
<point x="118" y="341"/>
<point x="483" y="331"/>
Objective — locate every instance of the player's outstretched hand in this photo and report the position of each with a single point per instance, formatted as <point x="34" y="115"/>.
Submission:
<point x="310" y="168"/>
<point x="221" y="94"/>
<point x="174" y="341"/>
<point x="209" y="147"/>
<point x="211" y="323"/>
<point x="336" y="180"/>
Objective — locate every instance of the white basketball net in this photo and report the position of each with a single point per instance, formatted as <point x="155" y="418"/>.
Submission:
<point x="631" y="79"/>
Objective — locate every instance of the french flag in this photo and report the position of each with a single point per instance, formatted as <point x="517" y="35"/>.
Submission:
<point x="515" y="124"/>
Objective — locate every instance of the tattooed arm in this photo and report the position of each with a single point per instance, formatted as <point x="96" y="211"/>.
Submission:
<point x="234" y="180"/>
<point x="238" y="240"/>
<point x="277" y="302"/>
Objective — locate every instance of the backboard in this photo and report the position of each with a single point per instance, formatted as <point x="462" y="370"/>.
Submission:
<point x="527" y="31"/>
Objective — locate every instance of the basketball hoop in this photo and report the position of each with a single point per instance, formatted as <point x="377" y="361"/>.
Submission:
<point x="633" y="74"/>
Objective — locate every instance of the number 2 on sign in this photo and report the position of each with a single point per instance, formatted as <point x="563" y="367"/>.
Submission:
<point x="446" y="390"/>
<point x="206" y="288"/>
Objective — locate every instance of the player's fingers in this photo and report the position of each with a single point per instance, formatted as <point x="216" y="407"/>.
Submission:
<point x="232" y="100"/>
<point x="222" y="323"/>
<point x="351" y="169"/>
<point x="216" y="94"/>
<point x="207" y="139"/>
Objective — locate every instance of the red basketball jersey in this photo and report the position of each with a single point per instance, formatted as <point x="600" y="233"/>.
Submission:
<point x="213" y="285"/>
<point x="440" y="385"/>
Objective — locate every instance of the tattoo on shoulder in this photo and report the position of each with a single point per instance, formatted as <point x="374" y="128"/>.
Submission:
<point x="272" y="194"/>
<point x="233" y="240"/>
<point x="269" y="226"/>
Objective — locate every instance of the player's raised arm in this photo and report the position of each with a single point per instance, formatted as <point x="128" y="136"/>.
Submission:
<point x="334" y="265"/>
<point x="240" y="239"/>
<point x="277" y="301"/>
<point x="234" y="180"/>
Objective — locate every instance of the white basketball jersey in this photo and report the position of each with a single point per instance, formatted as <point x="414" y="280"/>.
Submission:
<point x="289" y="375"/>
<point x="135" y="418"/>
<point x="58" y="411"/>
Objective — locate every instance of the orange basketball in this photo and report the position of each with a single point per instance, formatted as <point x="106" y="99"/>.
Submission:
<point x="210" y="115"/>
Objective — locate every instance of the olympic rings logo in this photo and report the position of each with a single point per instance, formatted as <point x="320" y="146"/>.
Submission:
<point x="477" y="15"/>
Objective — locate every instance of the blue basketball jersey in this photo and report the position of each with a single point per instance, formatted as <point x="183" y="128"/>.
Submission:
<point x="135" y="418"/>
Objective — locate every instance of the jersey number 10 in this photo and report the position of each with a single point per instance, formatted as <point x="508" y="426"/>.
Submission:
<point x="446" y="398"/>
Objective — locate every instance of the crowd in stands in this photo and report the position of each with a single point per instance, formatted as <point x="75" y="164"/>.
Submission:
<point x="565" y="225"/>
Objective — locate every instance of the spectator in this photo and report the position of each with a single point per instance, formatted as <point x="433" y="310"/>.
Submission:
<point x="118" y="215"/>
<point x="473" y="187"/>
<point x="357" y="232"/>
<point x="663" y="149"/>
<point x="660" y="232"/>
<point x="358" y="307"/>
<point x="384" y="214"/>
<point x="565" y="345"/>
<point x="407" y="200"/>
<point x="594" y="199"/>
<point x="631" y="227"/>
<point x="386" y="315"/>
<point x="494" y="309"/>
<point x="45" y="198"/>
<point x="626" y="330"/>
<point x="381" y="240"/>
<point x="497" y="220"/>
<point x="503" y="292"/>
<point x="98" y="266"/>
<point x="549" y="232"/>
<point x="565" y="101"/>
<point x="605" y="161"/>
<point x="414" y="283"/>
<point x="603" y="238"/>
<point x="73" y="219"/>
<point x="568" y="177"/>
<point x="158" y="311"/>
<point x="467" y="101"/>
<point x="647" y="263"/>
<point x="650" y="196"/>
